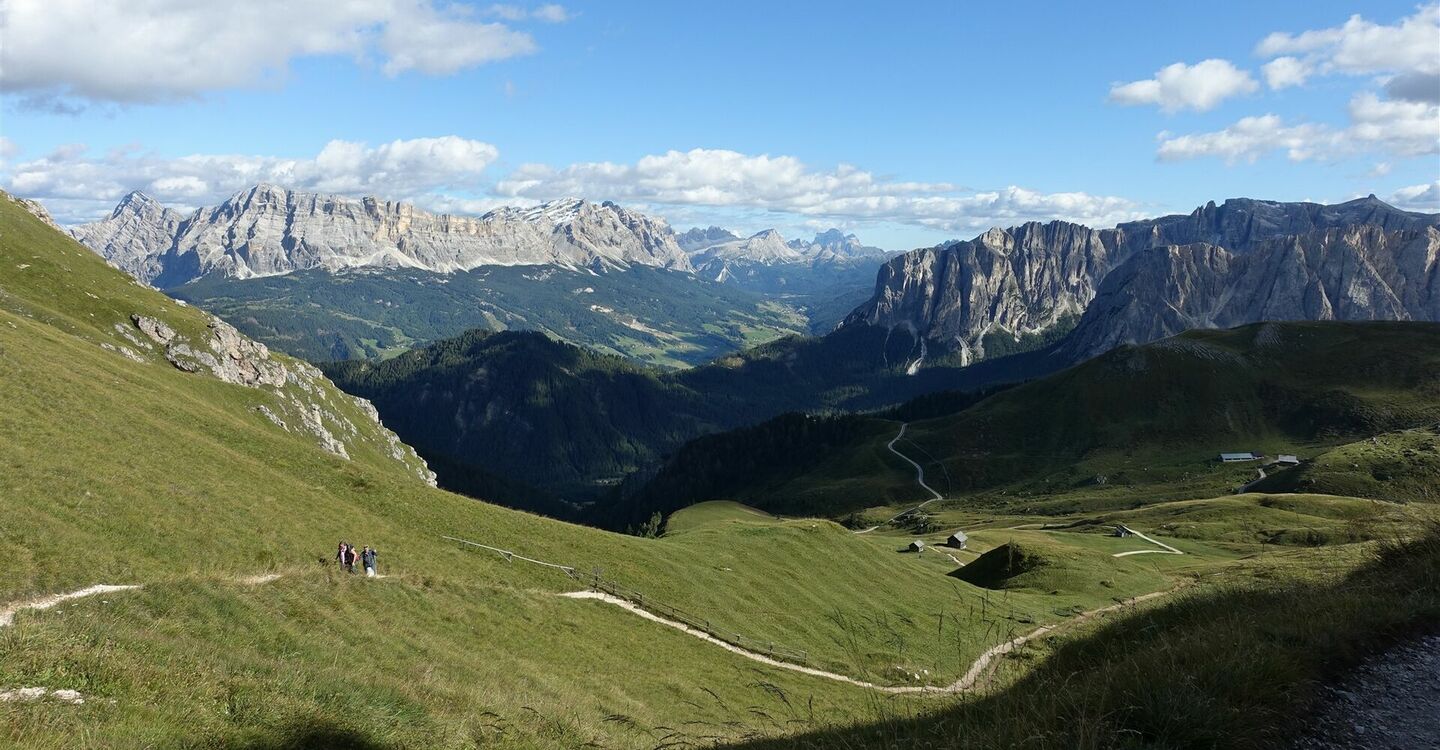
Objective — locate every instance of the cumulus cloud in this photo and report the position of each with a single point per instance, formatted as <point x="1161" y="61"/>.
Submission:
<point x="1377" y="126"/>
<point x="1179" y="86"/>
<point x="729" y="179"/>
<point x="1418" y="197"/>
<point x="1364" y="47"/>
<point x="1247" y="140"/>
<point x="78" y="186"/>
<point x="1405" y="57"/>
<point x="1284" y="72"/>
<point x="1404" y="128"/>
<point x="148" y="51"/>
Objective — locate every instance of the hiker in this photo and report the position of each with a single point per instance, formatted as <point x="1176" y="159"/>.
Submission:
<point x="349" y="557"/>
<point x="368" y="558"/>
<point x="340" y="553"/>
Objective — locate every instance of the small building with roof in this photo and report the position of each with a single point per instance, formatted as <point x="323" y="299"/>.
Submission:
<point x="1235" y="458"/>
<point x="957" y="540"/>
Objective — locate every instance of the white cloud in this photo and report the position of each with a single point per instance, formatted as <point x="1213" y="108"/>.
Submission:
<point x="1364" y="47"/>
<point x="728" y="179"/>
<point x="8" y="148"/>
<point x="78" y="187"/>
<point x="1398" y="127"/>
<point x="1179" y="86"/>
<point x="442" y="42"/>
<point x="148" y="51"/>
<point x="1377" y="126"/>
<point x="549" y="13"/>
<point x="1284" y="72"/>
<point x="1246" y="140"/>
<point x="1418" y="197"/>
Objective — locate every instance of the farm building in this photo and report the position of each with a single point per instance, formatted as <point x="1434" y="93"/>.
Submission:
<point x="1234" y="458"/>
<point x="915" y="546"/>
<point x="1122" y="532"/>
<point x="957" y="540"/>
<point x="1286" y="459"/>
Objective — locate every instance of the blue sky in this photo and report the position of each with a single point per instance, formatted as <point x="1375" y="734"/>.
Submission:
<point x="908" y="123"/>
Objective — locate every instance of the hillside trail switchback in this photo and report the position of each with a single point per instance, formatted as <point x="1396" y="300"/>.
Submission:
<point x="972" y="678"/>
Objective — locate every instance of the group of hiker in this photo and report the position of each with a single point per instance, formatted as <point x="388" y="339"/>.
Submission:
<point x="347" y="557"/>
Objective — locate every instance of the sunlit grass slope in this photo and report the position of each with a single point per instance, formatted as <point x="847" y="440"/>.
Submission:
<point x="133" y="472"/>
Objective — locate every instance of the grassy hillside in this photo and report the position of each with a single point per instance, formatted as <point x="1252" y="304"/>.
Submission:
<point x="124" y="470"/>
<point x="574" y="423"/>
<point x="1402" y="466"/>
<point x="121" y="468"/>
<point x="1233" y="662"/>
<point x="1136" y="425"/>
<point x="653" y="316"/>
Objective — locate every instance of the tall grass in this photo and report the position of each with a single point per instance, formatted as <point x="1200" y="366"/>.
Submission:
<point x="1231" y="664"/>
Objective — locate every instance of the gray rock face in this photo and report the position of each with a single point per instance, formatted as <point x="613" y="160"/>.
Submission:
<point x="834" y="245"/>
<point x="267" y="230"/>
<point x="135" y="238"/>
<point x="227" y="354"/>
<point x="698" y="239"/>
<point x="1358" y="272"/>
<point x="1024" y="279"/>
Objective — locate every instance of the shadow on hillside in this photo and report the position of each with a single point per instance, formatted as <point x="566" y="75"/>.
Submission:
<point x="313" y="734"/>
<point x="1232" y="667"/>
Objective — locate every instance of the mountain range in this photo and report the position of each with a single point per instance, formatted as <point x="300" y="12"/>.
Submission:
<point x="529" y="422"/>
<point x="267" y="230"/>
<point x="391" y="275"/>
<point x="1027" y="279"/>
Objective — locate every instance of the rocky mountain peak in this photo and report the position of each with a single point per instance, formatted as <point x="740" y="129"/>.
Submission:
<point x="834" y="238"/>
<point x="697" y="239"/>
<point x="267" y="230"/>
<point x="134" y="202"/>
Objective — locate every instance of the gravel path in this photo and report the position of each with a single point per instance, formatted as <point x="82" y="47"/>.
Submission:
<point x="8" y="611"/>
<point x="972" y="678"/>
<point x="1167" y="551"/>
<point x="1392" y="700"/>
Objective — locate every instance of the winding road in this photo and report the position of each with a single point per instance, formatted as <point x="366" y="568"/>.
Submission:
<point x="919" y="479"/>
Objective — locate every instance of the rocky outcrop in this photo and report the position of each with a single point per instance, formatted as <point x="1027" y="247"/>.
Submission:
<point x="226" y="354"/>
<point x="301" y="398"/>
<point x="268" y="230"/>
<point x="36" y="209"/>
<point x="1360" y="272"/>
<point x="1025" y="279"/>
